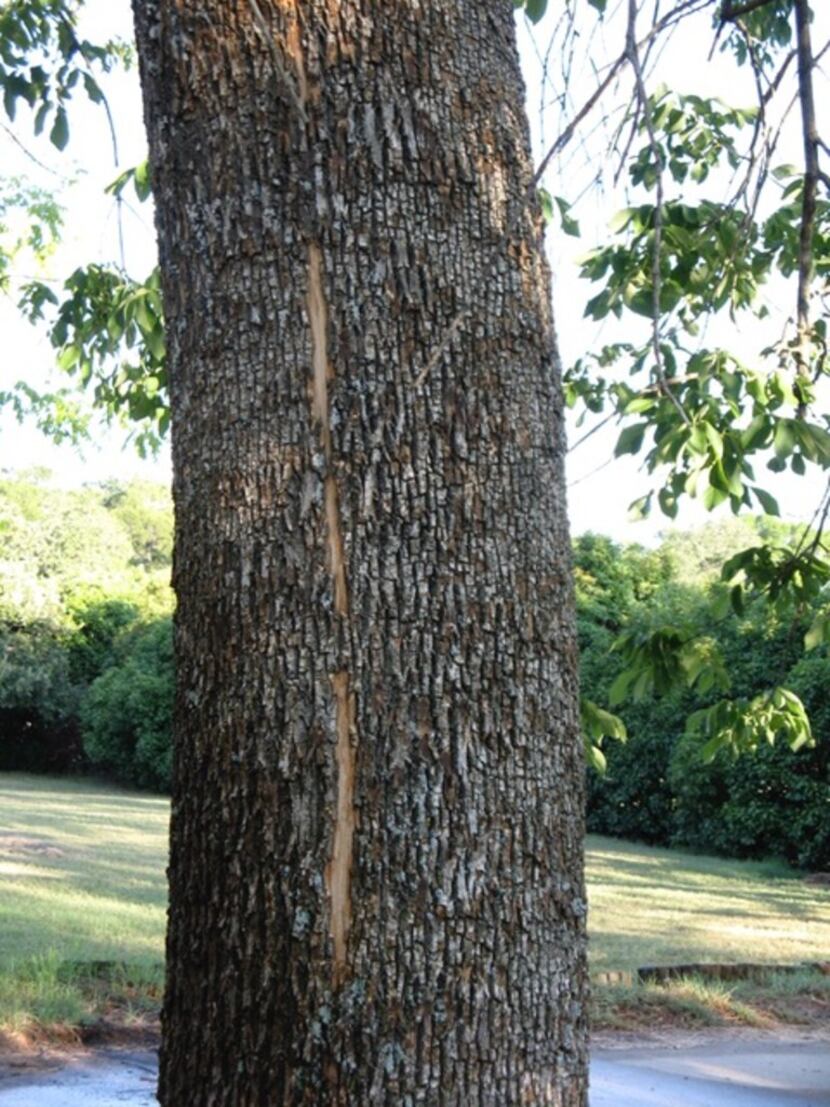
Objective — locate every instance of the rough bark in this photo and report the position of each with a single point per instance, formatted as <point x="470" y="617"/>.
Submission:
<point x="376" y="881"/>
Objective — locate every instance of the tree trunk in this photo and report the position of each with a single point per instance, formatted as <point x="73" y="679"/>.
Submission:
<point x="376" y="878"/>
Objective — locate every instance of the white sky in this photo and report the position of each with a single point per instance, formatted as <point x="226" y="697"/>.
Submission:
<point x="599" y="494"/>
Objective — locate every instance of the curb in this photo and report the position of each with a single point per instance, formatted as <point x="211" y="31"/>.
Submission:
<point x="660" y="974"/>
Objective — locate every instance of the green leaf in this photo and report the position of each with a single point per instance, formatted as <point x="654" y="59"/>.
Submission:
<point x="713" y="497"/>
<point x="715" y="440"/>
<point x="68" y="357"/>
<point x="59" y="135"/>
<point x="819" y="632"/>
<point x="639" y="509"/>
<point x="668" y="503"/>
<point x="595" y="758"/>
<point x="599" y="723"/>
<point x="755" y="434"/>
<point x="767" y="502"/>
<point x="639" y="404"/>
<point x="546" y="204"/>
<point x="619" y="689"/>
<point x="784" y="172"/>
<point x="535" y="9"/>
<point x="631" y="439"/>
<point x="93" y="89"/>
<point x="569" y="225"/>
<point x="712" y="748"/>
<point x="621" y="220"/>
<point x="784" y="439"/>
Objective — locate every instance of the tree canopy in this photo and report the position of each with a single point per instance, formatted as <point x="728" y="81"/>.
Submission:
<point x="714" y="221"/>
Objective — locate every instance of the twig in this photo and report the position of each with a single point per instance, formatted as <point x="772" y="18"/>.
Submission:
<point x="728" y="13"/>
<point x="592" y="473"/>
<point x="565" y="136"/>
<point x="634" y="59"/>
<point x="31" y="156"/>
<point x="119" y="213"/>
<point x="438" y="352"/>
<point x="589" y="434"/>
<point x="821" y="514"/>
<point x="811" y="179"/>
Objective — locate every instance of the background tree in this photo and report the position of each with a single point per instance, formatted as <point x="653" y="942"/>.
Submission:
<point x="657" y="788"/>
<point x="76" y="580"/>
<point x="713" y="222"/>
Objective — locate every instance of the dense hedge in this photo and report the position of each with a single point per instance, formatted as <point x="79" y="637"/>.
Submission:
<point x="85" y="660"/>
<point x="126" y="713"/>
<point x="86" y="669"/>
<point x="775" y="802"/>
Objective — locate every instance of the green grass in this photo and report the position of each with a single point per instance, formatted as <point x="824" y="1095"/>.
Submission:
<point x="662" y="907"/>
<point x="801" y="998"/>
<point x="83" y="871"/>
<point x="83" y="880"/>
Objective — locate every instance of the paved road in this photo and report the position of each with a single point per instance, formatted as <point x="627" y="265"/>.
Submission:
<point x="723" y="1074"/>
<point x="719" y="1074"/>
<point x="111" y="1079"/>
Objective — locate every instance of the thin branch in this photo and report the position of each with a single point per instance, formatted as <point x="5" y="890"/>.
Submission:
<point x="822" y="523"/>
<point x="593" y="472"/>
<point x="119" y="213"/>
<point x="730" y="13"/>
<point x="565" y="136"/>
<point x="633" y="56"/>
<point x="589" y="434"/>
<point x="779" y="76"/>
<point x="811" y="179"/>
<point x="820" y="514"/>
<point x="31" y="156"/>
<point x="677" y="13"/>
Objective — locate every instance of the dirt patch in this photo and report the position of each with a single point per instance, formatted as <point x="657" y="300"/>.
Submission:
<point x="44" y="1049"/>
<point x="676" y="1038"/>
<point x="22" y="845"/>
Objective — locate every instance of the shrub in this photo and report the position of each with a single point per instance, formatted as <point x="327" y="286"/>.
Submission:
<point x="633" y="799"/>
<point x="38" y="701"/>
<point x="774" y="802"/>
<point x="126" y="714"/>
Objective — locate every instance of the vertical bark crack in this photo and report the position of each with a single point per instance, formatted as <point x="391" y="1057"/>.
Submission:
<point x="321" y="373"/>
<point x="338" y="871"/>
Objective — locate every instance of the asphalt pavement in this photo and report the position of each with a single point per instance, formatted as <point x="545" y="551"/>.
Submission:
<point x="721" y="1073"/>
<point x="759" y="1073"/>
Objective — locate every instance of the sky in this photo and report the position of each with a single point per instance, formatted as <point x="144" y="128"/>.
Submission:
<point x="600" y="487"/>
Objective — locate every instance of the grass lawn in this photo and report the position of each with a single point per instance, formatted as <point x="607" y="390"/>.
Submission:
<point x="83" y="879"/>
<point x="662" y="907"/>
<point x="83" y="870"/>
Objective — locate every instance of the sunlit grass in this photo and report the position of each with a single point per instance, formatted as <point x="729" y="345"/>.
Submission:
<point x="801" y="998"/>
<point x="82" y="879"/>
<point x="661" y="907"/>
<point x="83" y="871"/>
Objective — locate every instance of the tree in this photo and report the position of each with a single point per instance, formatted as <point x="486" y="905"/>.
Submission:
<point x="376" y="886"/>
<point x="713" y="226"/>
